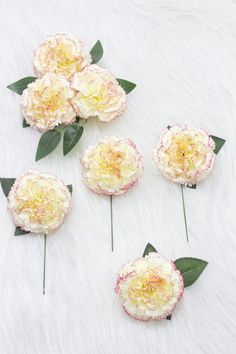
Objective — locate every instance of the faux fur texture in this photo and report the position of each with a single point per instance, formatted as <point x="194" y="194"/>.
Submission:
<point x="182" y="55"/>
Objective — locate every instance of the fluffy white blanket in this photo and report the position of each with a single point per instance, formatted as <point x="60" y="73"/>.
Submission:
<point x="182" y="55"/>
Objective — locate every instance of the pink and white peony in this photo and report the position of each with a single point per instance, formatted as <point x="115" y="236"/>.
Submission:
<point x="46" y="102"/>
<point x="98" y="94"/>
<point x="63" y="54"/>
<point x="39" y="202"/>
<point x="149" y="287"/>
<point x="185" y="155"/>
<point x="111" y="166"/>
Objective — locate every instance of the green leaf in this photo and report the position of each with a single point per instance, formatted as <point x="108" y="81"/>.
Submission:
<point x="20" y="85"/>
<point x="193" y="186"/>
<point x="128" y="86"/>
<point x="19" y="231"/>
<point x="47" y="143"/>
<point x="70" y="187"/>
<point x="71" y="137"/>
<point x="6" y="184"/>
<point x="96" y="52"/>
<point x="191" y="268"/>
<point x="25" y="124"/>
<point x="149" y="248"/>
<point x="219" y="142"/>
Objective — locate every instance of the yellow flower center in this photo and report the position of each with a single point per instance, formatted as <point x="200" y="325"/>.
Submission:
<point x="110" y="162"/>
<point x="184" y="152"/>
<point x="39" y="203"/>
<point x="64" y="57"/>
<point x="50" y="100"/>
<point x="150" y="290"/>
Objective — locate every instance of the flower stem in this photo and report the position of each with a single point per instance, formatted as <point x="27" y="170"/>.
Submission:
<point x="111" y="209"/>
<point x="44" y="264"/>
<point x="185" y="218"/>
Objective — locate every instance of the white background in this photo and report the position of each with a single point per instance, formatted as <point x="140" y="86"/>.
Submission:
<point x="182" y="55"/>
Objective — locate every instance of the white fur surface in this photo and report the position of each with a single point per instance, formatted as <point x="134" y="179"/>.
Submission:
<point x="182" y="55"/>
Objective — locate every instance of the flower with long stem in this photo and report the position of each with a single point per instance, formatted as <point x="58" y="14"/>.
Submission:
<point x="186" y="155"/>
<point x="38" y="203"/>
<point x="111" y="167"/>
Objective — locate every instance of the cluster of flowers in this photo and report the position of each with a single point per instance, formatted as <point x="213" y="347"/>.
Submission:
<point x="68" y="85"/>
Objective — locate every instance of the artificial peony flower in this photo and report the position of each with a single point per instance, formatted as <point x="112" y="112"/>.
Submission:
<point x="98" y="94"/>
<point x="185" y="155"/>
<point x="150" y="287"/>
<point x="39" y="202"/>
<point x="63" y="54"/>
<point x="112" y="166"/>
<point x="47" y="102"/>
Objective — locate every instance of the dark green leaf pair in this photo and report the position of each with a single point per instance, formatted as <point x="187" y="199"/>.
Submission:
<point x="190" y="268"/>
<point x="50" y="140"/>
<point x="7" y="184"/>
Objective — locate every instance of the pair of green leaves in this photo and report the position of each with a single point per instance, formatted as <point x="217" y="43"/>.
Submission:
<point x="190" y="268"/>
<point x="50" y="140"/>
<point x="7" y="184"/>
